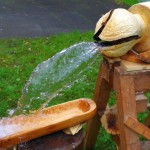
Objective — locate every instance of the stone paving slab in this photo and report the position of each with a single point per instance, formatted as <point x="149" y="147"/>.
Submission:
<point x="35" y="18"/>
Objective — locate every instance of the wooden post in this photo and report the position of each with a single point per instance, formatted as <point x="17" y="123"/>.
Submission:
<point x="125" y="93"/>
<point x="101" y="96"/>
<point x="141" y="102"/>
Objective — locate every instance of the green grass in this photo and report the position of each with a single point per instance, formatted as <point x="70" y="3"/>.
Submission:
<point x="20" y="56"/>
<point x="128" y="2"/>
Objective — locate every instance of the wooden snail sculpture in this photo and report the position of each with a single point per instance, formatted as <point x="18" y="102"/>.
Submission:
<point x="126" y="33"/>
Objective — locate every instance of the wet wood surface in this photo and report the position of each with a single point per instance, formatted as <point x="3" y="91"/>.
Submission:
<point x="54" y="141"/>
<point x="145" y="145"/>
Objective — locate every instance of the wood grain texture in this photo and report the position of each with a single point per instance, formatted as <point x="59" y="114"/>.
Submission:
<point x="137" y="127"/>
<point x="141" y="102"/>
<point x="132" y="66"/>
<point x="147" y="121"/>
<point x="141" y="78"/>
<point x="125" y="93"/>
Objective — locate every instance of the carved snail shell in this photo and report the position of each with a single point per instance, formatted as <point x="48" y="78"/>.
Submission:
<point x="122" y="30"/>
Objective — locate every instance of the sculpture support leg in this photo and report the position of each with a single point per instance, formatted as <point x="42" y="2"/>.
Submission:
<point x="101" y="96"/>
<point x="125" y="92"/>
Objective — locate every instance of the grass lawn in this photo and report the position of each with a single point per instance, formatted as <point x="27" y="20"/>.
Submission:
<point x="128" y="2"/>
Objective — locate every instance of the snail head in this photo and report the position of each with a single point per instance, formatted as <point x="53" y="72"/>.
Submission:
<point x="118" y="31"/>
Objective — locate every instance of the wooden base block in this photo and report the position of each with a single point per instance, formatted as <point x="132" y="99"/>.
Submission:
<point x="131" y="66"/>
<point x="55" y="141"/>
<point x="74" y="129"/>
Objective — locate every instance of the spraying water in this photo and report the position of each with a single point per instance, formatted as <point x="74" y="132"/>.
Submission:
<point x="55" y="74"/>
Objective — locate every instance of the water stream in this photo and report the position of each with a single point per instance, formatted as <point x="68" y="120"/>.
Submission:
<point x="53" y="75"/>
<point x="46" y="83"/>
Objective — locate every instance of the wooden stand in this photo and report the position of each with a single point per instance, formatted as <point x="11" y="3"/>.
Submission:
<point x="127" y="85"/>
<point x="54" y="141"/>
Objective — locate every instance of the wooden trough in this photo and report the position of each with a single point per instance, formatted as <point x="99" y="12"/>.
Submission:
<point x="23" y="128"/>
